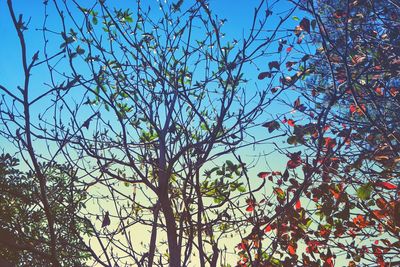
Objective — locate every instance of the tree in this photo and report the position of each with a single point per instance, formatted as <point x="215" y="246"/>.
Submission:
<point x="16" y="116"/>
<point x="364" y="66"/>
<point x="147" y="109"/>
<point x="346" y="123"/>
<point x="23" y="225"/>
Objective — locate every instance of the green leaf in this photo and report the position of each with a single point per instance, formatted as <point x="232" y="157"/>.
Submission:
<point x="305" y="226"/>
<point x="241" y="189"/>
<point x="364" y="192"/>
<point x="276" y="262"/>
<point x="95" y="20"/>
<point x="229" y="163"/>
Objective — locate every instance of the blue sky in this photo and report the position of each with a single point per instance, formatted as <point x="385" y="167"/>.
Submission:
<point x="237" y="12"/>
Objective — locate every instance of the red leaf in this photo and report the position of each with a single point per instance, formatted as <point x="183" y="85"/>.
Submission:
<point x="295" y="160"/>
<point x="268" y="228"/>
<point x="335" y="194"/>
<point x="353" y="108"/>
<point x="241" y="246"/>
<point x="329" y="142"/>
<point x="360" y="221"/>
<point x="298" y="205"/>
<point x="297" y="105"/>
<point x="324" y="232"/>
<point x="380" y="214"/>
<point x="250" y="205"/>
<point x="279" y="193"/>
<point x="250" y="208"/>
<point x="289" y="49"/>
<point x="386" y="185"/>
<point x="292" y="164"/>
<point x="263" y="174"/>
<point x="357" y="59"/>
<point x="290" y="122"/>
<point x="362" y="109"/>
<point x="329" y="262"/>
<point x="359" y="109"/>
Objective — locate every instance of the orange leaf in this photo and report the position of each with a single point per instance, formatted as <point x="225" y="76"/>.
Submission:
<point x="379" y="91"/>
<point x="360" y="221"/>
<point x="292" y="250"/>
<point x="335" y="194"/>
<point x="290" y="122"/>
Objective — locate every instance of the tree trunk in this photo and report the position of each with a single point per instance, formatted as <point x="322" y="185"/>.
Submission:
<point x="153" y="238"/>
<point x="173" y="248"/>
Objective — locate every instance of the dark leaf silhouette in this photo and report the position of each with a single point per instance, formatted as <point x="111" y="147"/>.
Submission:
<point x="271" y="126"/>
<point x="264" y="75"/>
<point x="106" y="220"/>
<point x="305" y="24"/>
<point x="274" y="64"/>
